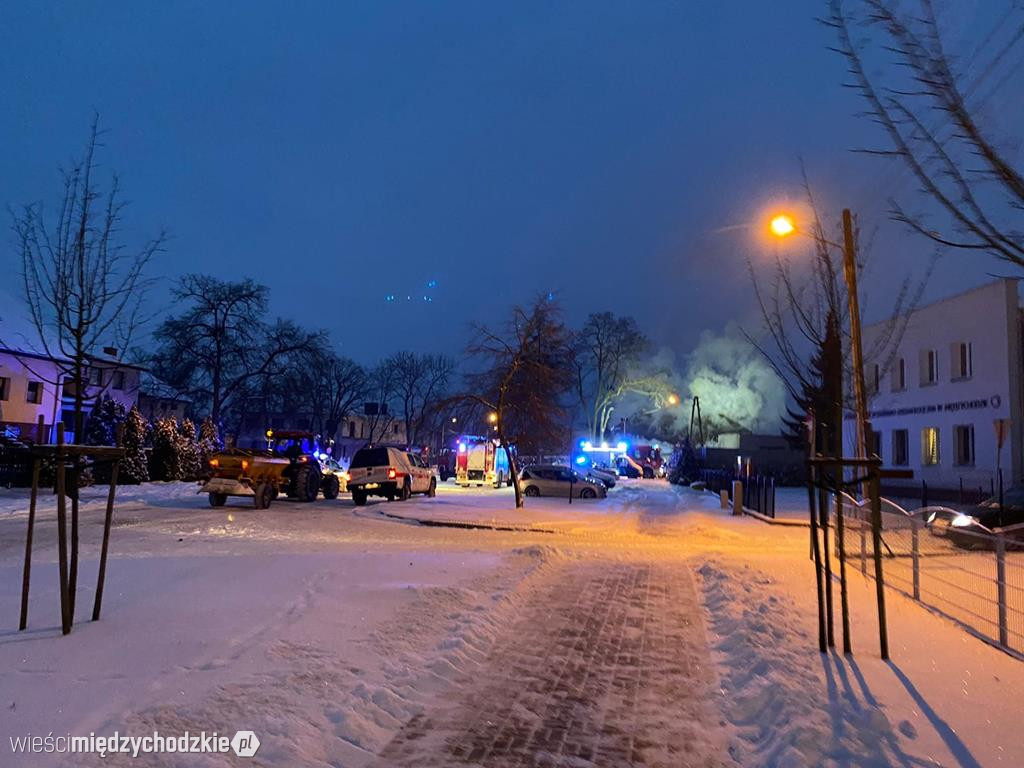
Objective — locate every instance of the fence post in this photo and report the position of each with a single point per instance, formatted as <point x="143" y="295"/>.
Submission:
<point x="1004" y="639"/>
<point x="863" y="548"/>
<point x="773" y="497"/>
<point x="916" y="551"/>
<point x="737" y="497"/>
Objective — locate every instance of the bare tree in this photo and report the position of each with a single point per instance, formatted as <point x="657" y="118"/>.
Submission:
<point x="220" y="345"/>
<point x="419" y="384"/>
<point x="527" y="368"/>
<point x="83" y="288"/>
<point x="380" y="394"/>
<point x="929" y="112"/>
<point x="334" y="385"/>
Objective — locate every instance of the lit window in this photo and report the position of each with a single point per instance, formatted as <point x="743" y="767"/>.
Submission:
<point x="963" y="438"/>
<point x="930" y="446"/>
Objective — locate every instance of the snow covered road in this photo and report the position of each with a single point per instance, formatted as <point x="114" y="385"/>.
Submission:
<point x="649" y="629"/>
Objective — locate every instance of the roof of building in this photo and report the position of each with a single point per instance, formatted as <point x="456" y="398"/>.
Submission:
<point x="943" y="299"/>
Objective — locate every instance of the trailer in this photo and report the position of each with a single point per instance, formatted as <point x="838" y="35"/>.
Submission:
<point x="481" y="460"/>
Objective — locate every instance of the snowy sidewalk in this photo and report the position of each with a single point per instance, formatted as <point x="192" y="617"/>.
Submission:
<point x="607" y="665"/>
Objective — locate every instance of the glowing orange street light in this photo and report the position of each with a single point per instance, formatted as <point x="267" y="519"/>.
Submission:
<point x="493" y="418"/>
<point x="782" y="225"/>
<point x="673" y="399"/>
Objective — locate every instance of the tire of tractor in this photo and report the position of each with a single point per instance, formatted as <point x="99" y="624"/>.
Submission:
<point x="432" y="490"/>
<point x="218" y="499"/>
<point x="443" y="472"/>
<point x="406" y="492"/>
<point x="332" y="486"/>
<point x="588" y="493"/>
<point x="307" y="482"/>
<point x="358" y="497"/>
<point x="263" y="494"/>
<point x="532" y="490"/>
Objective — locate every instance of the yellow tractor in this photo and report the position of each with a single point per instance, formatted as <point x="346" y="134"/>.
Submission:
<point x="285" y="468"/>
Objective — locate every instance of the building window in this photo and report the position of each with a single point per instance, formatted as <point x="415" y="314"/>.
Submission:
<point x="960" y="361"/>
<point x="872" y="378"/>
<point x="117" y="380"/>
<point x="874" y="442"/>
<point x="899" y="375"/>
<point x="930" y="446"/>
<point x="34" y="393"/>
<point x="5" y="388"/>
<point x="95" y="377"/>
<point x="351" y="429"/>
<point x="963" y="439"/>
<point x="394" y="429"/>
<point x="900" y="447"/>
<point x="929" y="367"/>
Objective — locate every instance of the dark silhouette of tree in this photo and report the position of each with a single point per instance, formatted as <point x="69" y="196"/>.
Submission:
<point x="930" y="114"/>
<point x="219" y="346"/>
<point x="526" y="369"/>
<point x="419" y="384"/>
<point x="610" y="362"/>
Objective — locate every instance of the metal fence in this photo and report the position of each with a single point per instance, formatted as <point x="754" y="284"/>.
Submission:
<point x="758" y="490"/>
<point x="975" y="579"/>
<point x="759" y="494"/>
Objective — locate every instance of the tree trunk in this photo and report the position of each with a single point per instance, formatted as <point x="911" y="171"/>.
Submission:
<point x="514" y="470"/>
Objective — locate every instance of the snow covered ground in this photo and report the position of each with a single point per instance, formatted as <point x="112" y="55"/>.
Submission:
<point x="650" y="628"/>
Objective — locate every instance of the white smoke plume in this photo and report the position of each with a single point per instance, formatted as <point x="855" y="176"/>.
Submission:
<point x="735" y="384"/>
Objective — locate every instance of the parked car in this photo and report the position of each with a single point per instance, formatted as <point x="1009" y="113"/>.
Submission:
<point x="388" y="472"/>
<point x="330" y="466"/>
<point x="987" y="518"/>
<point x="607" y="479"/>
<point x="559" y="480"/>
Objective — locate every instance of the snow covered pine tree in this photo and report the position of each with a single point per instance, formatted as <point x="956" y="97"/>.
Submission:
<point x="189" y="450"/>
<point x="134" y="467"/>
<point x="101" y="429"/>
<point x="165" y="461"/>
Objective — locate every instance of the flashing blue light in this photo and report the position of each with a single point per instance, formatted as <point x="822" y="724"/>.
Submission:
<point x="389" y="297"/>
<point x="432" y="284"/>
<point x="581" y="459"/>
<point x="462" y="447"/>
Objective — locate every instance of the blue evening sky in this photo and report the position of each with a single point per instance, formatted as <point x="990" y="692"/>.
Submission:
<point x="611" y="153"/>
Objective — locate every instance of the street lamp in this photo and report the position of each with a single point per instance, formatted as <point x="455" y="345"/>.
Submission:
<point x="673" y="399"/>
<point x="783" y="225"/>
<point x="492" y="417"/>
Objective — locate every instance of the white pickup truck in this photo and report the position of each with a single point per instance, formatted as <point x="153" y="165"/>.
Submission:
<point x="388" y="472"/>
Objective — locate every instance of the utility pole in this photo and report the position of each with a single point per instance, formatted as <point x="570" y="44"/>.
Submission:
<point x="857" y="351"/>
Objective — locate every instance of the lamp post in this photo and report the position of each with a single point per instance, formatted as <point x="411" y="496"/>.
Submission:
<point x="783" y="225"/>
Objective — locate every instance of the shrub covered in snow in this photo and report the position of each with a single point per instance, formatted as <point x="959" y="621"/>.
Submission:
<point x="135" y="468"/>
<point x="165" y="460"/>
<point x="188" y="445"/>
<point x="209" y="441"/>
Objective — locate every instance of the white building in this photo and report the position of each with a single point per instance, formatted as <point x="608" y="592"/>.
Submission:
<point x="957" y="370"/>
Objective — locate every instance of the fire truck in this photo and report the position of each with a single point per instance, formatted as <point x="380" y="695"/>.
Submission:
<point x="481" y="460"/>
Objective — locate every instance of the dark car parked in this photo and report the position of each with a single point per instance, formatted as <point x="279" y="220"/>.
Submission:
<point x="975" y="526"/>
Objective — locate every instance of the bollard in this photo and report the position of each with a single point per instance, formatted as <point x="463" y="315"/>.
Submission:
<point x="737" y="497"/>
<point x="723" y="496"/>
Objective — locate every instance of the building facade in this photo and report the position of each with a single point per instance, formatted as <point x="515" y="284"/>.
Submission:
<point x="954" y="383"/>
<point x="34" y="385"/>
